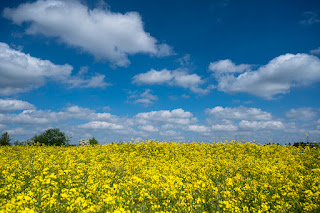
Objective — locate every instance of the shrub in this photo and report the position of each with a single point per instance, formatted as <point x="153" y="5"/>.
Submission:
<point x="27" y="142"/>
<point x="52" y="137"/>
<point x="93" y="141"/>
<point x="5" y="139"/>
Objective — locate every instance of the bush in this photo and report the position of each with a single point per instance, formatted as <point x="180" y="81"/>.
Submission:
<point x="5" y="139"/>
<point x="93" y="141"/>
<point x="27" y="143"/>
<point x="52" y="137"/>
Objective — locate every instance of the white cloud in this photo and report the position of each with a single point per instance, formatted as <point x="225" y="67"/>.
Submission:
<point x="177" y="124"/>
<point x="164" y="50"/>
<point x="32" y="117"/>
<point x="80" y="81"/>
<point x="315" y="51"/>
<point x="101" y="32"/>
<point x="227" y="66"/>
<point x="256" y="125"/>
<point x="239" y="113"/>
<point x="20" y="72"/>
<point x="185" y="60"/>
<point x="153" y="77"/>
<point x="87" y="114"/>
<point x="224" y="127"/>
<point x="169" y="133"/>
<point x="310" y="18"/>
<point x="84" y="80"/>
<point x="8" y="105"/>
<point x="18" y="131"/>
<point x="276" y="77"/>
<point x="83" y="70"/>
<point x="305" y="113"/>
<point x="148" y="128"/>
<point x="100" y="125"/>
<point x="178" y="77"/>
<point x="38" y="117"/>
<point x="198" y="128"/>
<point x="176" y="116"/>
<point x="145" y="98"/>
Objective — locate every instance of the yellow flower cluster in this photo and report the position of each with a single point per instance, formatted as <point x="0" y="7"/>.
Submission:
<point x="160" y="177"/>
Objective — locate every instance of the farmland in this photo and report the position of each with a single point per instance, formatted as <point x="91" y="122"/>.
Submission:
<point x="160" y="177"/>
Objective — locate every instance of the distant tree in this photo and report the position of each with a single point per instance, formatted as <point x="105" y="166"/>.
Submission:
<point x="5" y="139"/>
<point x="16" y="143"/>
<point x="51" y="137"/>
<point x="93" y="141"/>
<point x="28" y="142"/>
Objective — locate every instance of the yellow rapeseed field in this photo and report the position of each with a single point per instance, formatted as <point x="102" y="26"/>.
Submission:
<point x="160" y="177"/>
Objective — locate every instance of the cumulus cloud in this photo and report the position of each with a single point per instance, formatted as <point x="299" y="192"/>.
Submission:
<point x="8" y="105"/>
<point x="198" y="128"/>
<point x="96" y="81"/>
<point x="32" y="117"/>
<point x="169" y="133"/>
<point x="164" y="50"/>
<point x="20" y="72"/>
<point x="176" y="116"/>
<point x="227" y="66"/>
<point x="305" y="113"/>
<point x="256" y="125"/>
<point x="224" y="127"/>
<point x="100" y="125"/>
<point x="145" y="98"/>
<point x="38" y="117"/>
<point x="83" y="80"/>
<point x="177" y="124"/>
<point x="178" y="77"/>
<point x="239" y="113"/>
<point x="87" y="114"/>
<point x="100" y="32"/>
<point x="276" y="77"/>
<point x="148" y="128"/>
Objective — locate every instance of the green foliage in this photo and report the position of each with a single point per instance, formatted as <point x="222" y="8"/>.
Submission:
<point x="51" y="137"/>
<point x="5" y="139"/>
<point x="17" y="143"/>
<point x="27" y="142"/>
<point x="93" y="141"/>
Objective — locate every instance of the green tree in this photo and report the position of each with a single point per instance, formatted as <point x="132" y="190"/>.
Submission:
<point x="52" y="137"/>
<point x="16" y="143"/>
<point x="93" y="141"/>
<point x="5" y="139"/>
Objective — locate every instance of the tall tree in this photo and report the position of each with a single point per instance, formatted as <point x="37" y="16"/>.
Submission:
<point x="5" y="139"/>
<point x="51" y="137"/>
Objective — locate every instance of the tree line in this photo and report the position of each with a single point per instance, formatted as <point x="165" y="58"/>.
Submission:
<point x="50" y="137"/>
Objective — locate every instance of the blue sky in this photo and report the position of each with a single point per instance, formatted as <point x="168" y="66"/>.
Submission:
<point x="166" y="70"/>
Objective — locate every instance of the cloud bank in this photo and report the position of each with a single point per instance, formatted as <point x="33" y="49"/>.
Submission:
<point x="178" y="78"/>
<point x="220" y="123"/>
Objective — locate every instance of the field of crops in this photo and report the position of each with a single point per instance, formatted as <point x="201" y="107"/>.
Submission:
<point x="160" y="177"/>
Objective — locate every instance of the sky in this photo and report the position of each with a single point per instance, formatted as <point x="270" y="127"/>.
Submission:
<point x="117" y="70"/>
